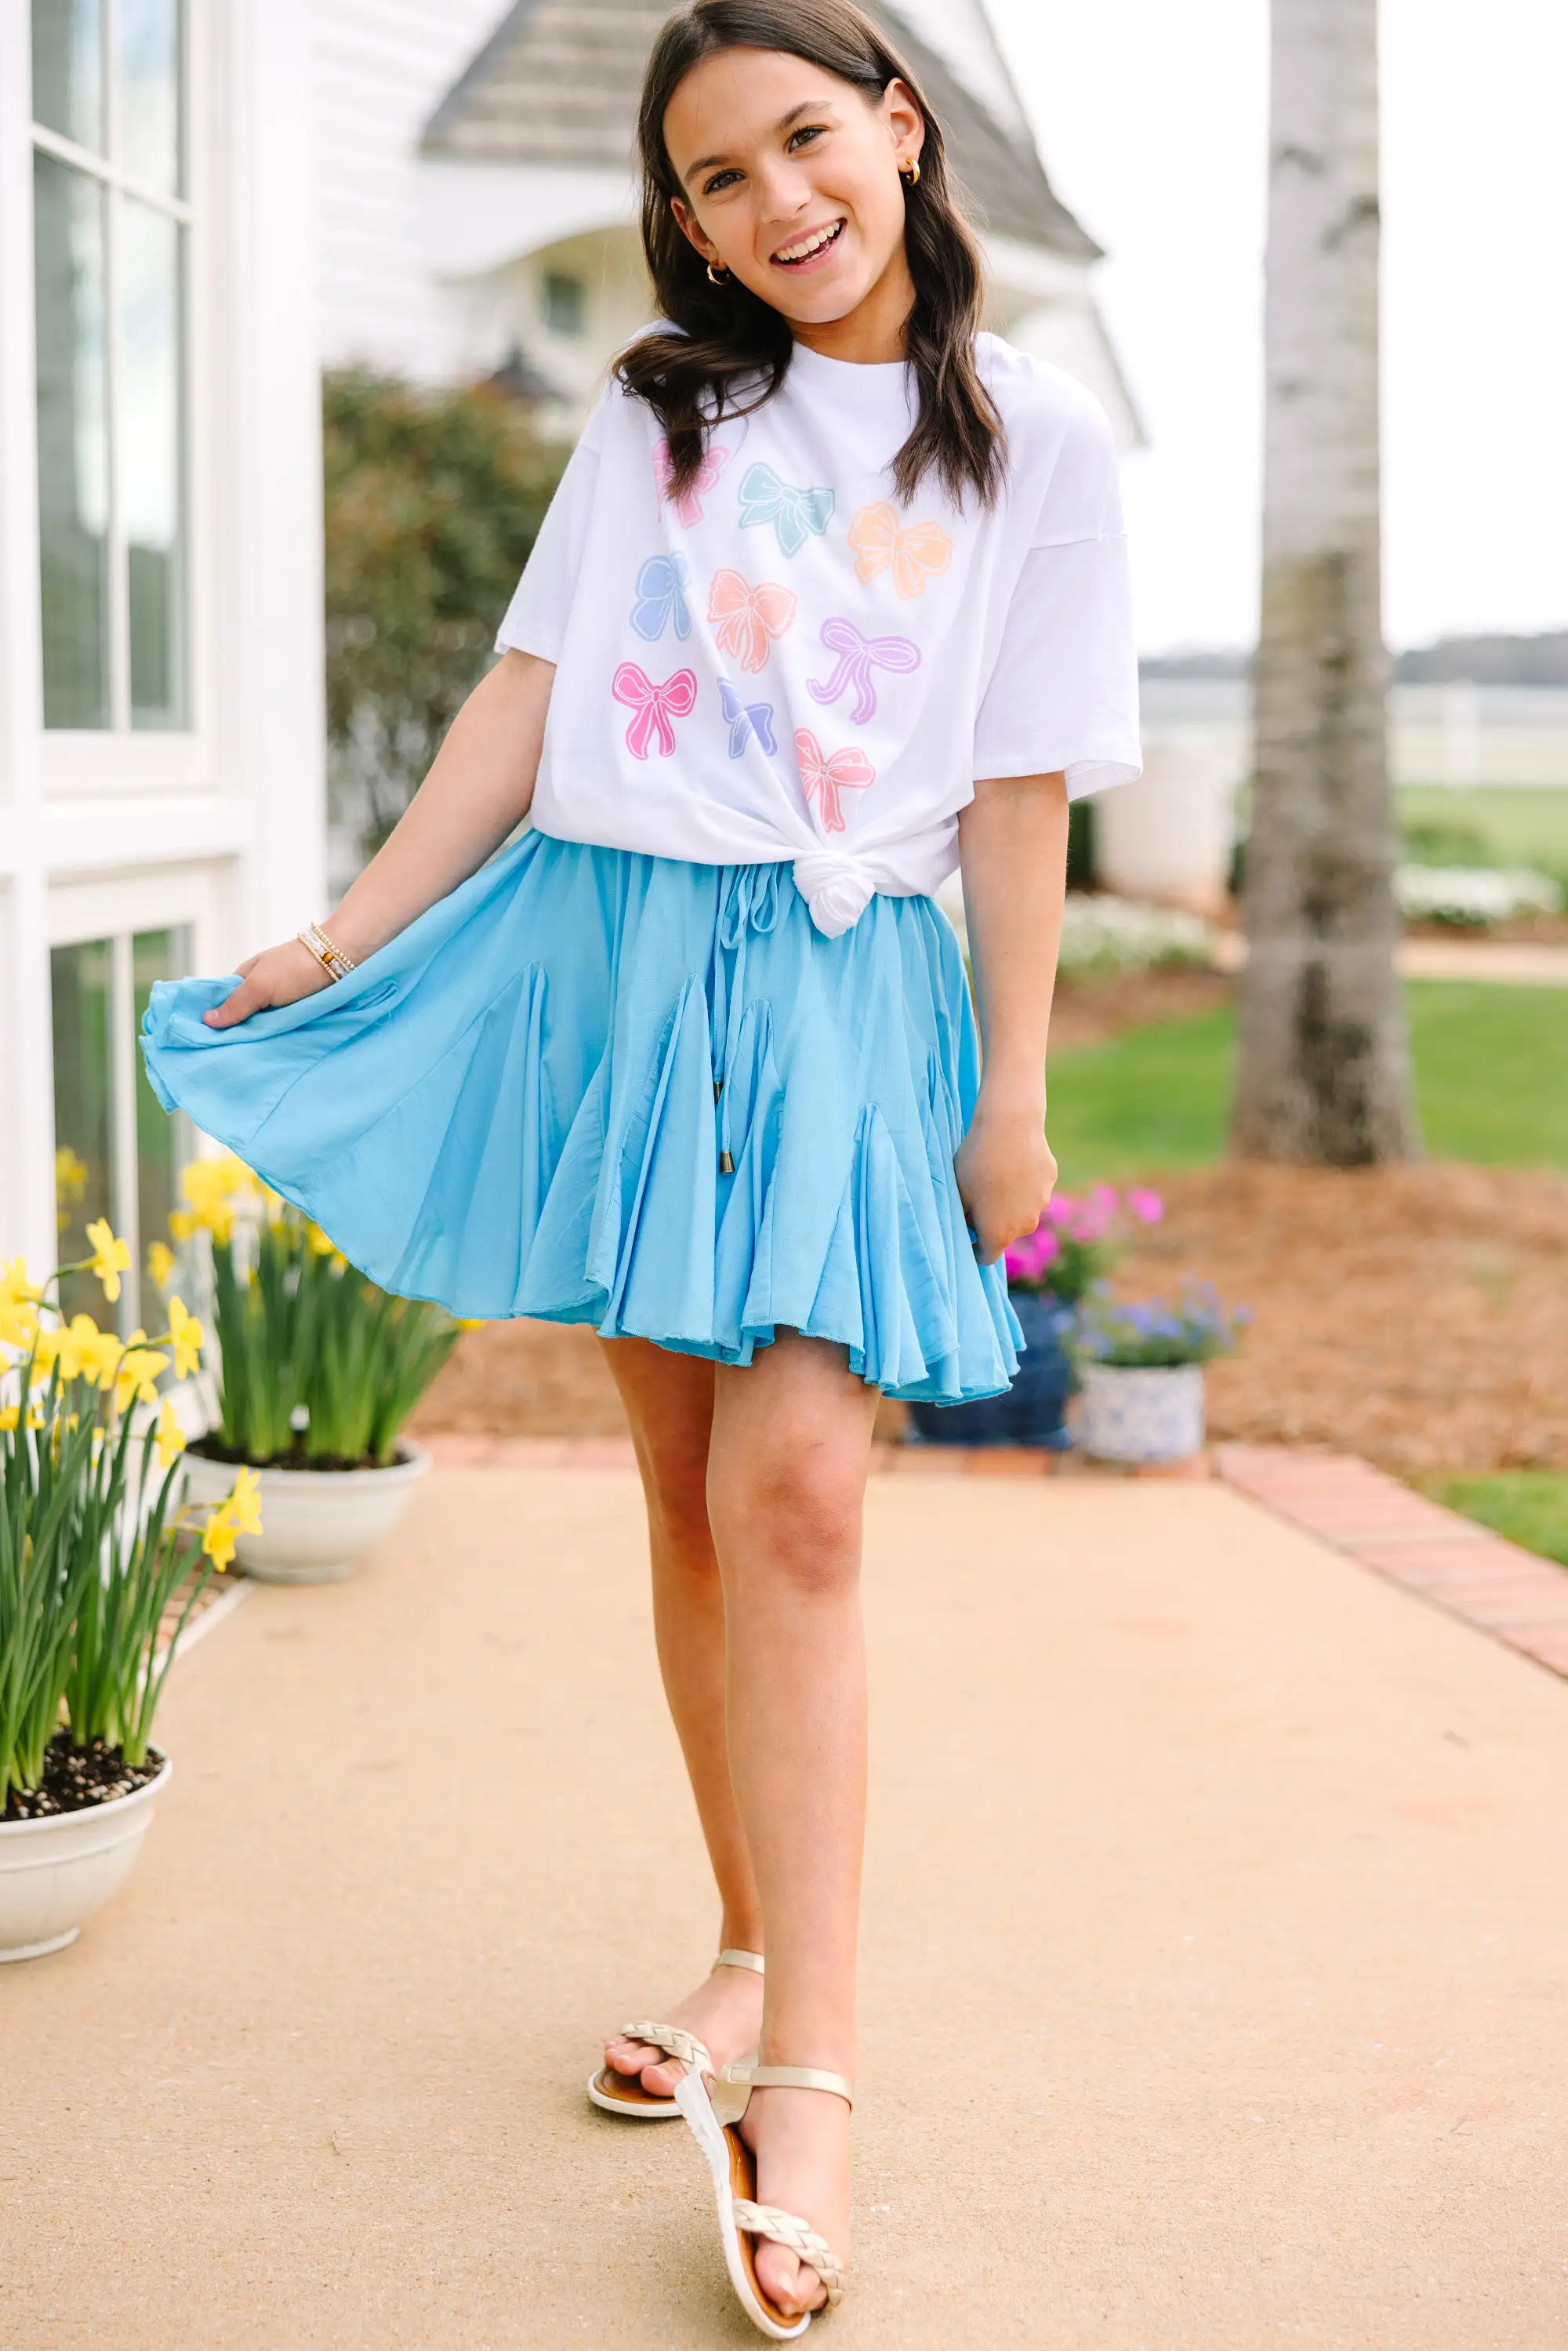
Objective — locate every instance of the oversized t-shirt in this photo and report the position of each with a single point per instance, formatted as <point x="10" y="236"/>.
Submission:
<point x="784" y="661"/>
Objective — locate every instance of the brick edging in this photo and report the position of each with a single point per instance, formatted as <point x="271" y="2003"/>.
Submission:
<point x="1495" y="1586"/>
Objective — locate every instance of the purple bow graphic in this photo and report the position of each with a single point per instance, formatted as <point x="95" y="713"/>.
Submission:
<point x="653" y="707"/>
<point x="859" y="658"/>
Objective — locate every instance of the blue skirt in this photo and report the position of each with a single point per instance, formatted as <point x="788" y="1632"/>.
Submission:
<point x="598" y="1087"/>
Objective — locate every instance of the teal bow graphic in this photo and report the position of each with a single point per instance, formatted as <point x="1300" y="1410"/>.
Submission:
<point x="793" y="513"/>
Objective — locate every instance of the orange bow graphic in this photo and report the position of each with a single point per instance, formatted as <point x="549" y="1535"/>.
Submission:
<point x="881" y="543"/>
<point x="747" y="619"/>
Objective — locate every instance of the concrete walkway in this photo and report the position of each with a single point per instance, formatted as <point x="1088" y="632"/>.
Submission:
<point x="1217" y="1931"/>
<point x="1516" y="963"/>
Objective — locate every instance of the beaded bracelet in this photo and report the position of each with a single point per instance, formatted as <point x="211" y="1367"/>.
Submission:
<point x="332" y="960"/>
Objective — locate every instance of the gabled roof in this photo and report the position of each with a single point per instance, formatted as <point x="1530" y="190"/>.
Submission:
<point x="558" y="81"/>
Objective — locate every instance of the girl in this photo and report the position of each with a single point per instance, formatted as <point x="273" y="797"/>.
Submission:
<point x="831" y="599"/>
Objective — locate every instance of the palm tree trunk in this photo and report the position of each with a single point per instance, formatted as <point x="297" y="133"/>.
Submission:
<point x="1325" y="1063"/>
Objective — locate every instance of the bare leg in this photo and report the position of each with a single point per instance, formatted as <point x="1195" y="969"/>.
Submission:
<point x="791" y="1445"/>
<point x="669" y="1403"/>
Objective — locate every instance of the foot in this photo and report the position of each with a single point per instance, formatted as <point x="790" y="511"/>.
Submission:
<point x="800" y="2139"/>
<point x="724" y="2012"/>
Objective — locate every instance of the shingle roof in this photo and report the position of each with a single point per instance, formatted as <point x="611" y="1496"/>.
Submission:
<point x="558" y="80"/>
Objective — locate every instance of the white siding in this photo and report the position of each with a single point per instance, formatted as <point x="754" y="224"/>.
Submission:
<point x="381" y="68"/>
<point x="960" y="31"/>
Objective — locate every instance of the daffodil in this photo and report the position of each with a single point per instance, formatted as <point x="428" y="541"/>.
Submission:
<point x="320" y="1246"/>
<point x="244" y="1504"/>
<point x="9" y="1415"/>
<point x="18" y="1304"/>
<point x="189" y="1339"/>
<point x="167" y="1437"/>
<point x="183" y="1223"/>
<point x="137" y="1373"/>
<point x="218" y="1538"/>
<point x="160" y="1263"/>
<point x="111" y="1256"/>
<point x="82" y="1351"/>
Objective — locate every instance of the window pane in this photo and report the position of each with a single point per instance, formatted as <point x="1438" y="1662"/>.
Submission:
<point x="565" y="303"/>
<point x="80" y="980"/>
<point x="147" y="39"/>
<point x="73" y="449"/>
<point x="68" y="69"/>
<point x="162" y="1142"/>
<point x="149" y="453"/>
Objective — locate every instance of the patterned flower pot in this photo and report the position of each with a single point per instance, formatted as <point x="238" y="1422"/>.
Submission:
<point x="1033" y="1411"/>
<point x="315" y="1523"/>
<point x="1134" y="1414"/>
<point x="55" y="1873"/>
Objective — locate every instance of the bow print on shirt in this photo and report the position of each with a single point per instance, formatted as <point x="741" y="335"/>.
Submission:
<point x="661" y="597"/>
<point x="653" y="707"/>
<point x="859" y="658"/>
<point x="688" y="504"/>
<point x="748" y="619"/>
<point x="745" y="719"/>
<point x="880" y="544"/>
<point x="822" y="777"/>
<point x="794" y="514"/>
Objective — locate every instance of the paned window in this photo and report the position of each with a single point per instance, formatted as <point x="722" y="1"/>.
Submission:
<point x="565" y="303"/>
<point x="116" y="1153"/>
<point x="112" y="228"/>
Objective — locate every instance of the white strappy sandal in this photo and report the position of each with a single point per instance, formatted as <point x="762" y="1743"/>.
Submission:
<point x="713" y="2106"/>
<point x="623" y="2093"/>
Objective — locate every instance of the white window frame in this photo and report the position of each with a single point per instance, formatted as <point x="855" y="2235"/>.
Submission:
<point x="116" y="908"/>
<point x="118" y="760"/>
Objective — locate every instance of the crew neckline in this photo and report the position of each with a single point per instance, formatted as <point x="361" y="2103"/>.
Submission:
<point x="842" y="371"/>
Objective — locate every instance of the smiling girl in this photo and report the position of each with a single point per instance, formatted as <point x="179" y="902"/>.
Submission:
<point x="832" y="598"/>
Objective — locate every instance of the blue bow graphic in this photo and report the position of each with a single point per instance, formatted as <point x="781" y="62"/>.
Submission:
<point x="745" y="719"/>
<point x="793" y="513"/>
<point x="661" y="597"/>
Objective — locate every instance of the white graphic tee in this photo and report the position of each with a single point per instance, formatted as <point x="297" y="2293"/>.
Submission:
<point x="784" y="662"/>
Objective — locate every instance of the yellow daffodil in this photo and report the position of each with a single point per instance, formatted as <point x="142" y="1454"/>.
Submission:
<point x="9" y="1415"/>
<point x="189" y="1339"/>
<point x="244" y="1504"/>
<point x="167" y="1437"/>
<point x="82" y="1351"/>
<point x="70" y="1183"/>
<point x="218" y="1538"/>
<point x="471" y="1323"/>
<point x="320" y="1246"/>
<point x="183" y="1223"/>
<point x="160" y="1263"/>
<point x="137" y="1373"/>
<point x="18" y="1304"/>
<point x="110" y="1257"/>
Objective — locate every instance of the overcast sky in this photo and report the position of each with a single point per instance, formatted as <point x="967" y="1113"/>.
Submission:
<point x="1151" y="118"/>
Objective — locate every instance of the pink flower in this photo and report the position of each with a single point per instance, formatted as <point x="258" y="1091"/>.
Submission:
<point x="1063" y="1209"/>
<point x="1147" y="1206"/>
<point x="1027" y="1260"/>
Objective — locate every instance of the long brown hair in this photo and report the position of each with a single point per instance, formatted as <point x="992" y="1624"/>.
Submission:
<point x="728" y="336"/>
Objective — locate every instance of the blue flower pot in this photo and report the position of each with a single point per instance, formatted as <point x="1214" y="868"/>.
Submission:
<point x="1033" y="1410"/>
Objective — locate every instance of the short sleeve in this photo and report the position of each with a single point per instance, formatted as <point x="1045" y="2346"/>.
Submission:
<point x="535" y="618"/>
<point x="1064" y="692"/>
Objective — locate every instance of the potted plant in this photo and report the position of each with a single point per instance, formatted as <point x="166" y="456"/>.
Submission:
<point x="1141" y="1371"/>
<point x="1048" y="1273"/>
<point x="94" y="1546"/>
<point x="317" y="1373"/>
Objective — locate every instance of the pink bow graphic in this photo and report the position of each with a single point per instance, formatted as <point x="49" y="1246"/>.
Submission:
<point x="859" y="658"/>
<point x="689" y="505"/>
<point x="823" y="779"/>
<point x="654" y="706"/>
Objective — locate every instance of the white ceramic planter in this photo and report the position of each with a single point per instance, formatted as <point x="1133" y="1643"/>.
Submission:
<point x="54" y="1873"/>
<point x="315" y="1523"/>
<point x="1128" y="1414"/>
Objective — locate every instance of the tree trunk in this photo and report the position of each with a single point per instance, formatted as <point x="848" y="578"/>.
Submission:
<point x="1325" y="1064"/>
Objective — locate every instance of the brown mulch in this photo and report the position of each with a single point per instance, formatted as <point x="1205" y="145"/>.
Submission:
<point x="1090" y="1010"/>
<point x="1415" y="1315"/>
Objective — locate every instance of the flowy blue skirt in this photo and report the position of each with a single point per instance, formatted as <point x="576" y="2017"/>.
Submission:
<point x="598" y="1087"/>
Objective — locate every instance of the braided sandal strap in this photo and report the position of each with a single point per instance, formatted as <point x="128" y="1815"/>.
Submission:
<point x="799" y="2237"/>
<point x="685" y="2047"/>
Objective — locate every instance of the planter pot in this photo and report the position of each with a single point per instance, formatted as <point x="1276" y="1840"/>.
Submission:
<point x="54" y="1873"/>
<point x="1033" y="1411"/>
<point x="1131" y="1413"/>
<point x="315" y="1523"/>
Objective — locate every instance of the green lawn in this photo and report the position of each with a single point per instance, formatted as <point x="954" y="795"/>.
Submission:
<point x="1491" y="1074"/>
<point x="1499" y="825"/>
<point x="1528" y="1506"/>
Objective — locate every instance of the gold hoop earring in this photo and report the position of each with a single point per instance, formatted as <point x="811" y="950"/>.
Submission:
<point x="909" y="174"/>
<point x="719" y="277"/>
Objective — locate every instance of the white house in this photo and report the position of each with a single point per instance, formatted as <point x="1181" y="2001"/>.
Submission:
<point x="161" y="754"/>
<point x="476" y="200"/>
<point x="201" y="200"/>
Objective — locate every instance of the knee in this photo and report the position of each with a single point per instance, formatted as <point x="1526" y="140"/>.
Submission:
<point x="676" y="1490"/>
<point x="794" y="1520"/>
